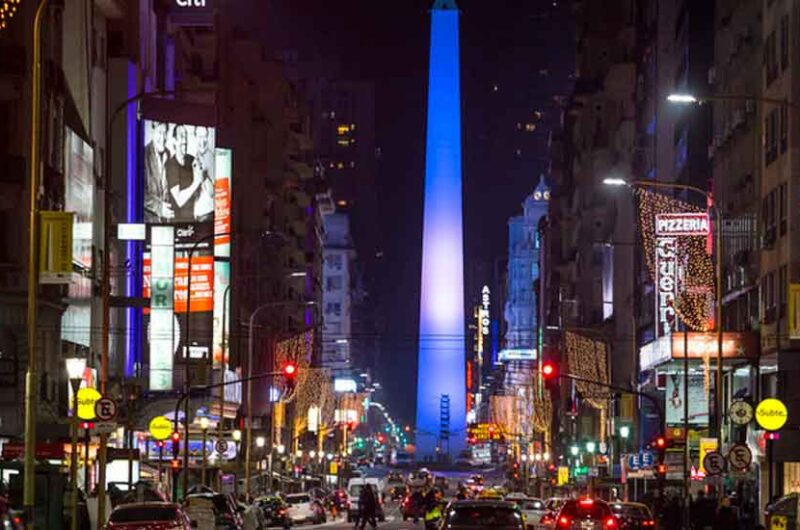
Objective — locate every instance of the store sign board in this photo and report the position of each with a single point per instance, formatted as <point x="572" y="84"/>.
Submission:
<point x="683" y="224"/>
<point x="666" y="261"/>
<point x="699" y="345"/>
<point x="771" y="414"/>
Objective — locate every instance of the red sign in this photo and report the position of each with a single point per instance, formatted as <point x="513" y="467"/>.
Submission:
<point x="202" y="283"/>
<point x="44" y="451"/>
<point x="222" y="211"/>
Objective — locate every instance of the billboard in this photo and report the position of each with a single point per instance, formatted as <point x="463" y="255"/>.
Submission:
<point x="79" y="196"/>
<point x="160" y="289"/>
<point x="179" y="169"/>
<point x="698" y="401"/>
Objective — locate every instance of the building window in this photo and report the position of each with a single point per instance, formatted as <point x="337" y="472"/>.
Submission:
<point x="784" y="42"/>
<point x="333" y="283"/>
<point x="783" y="207"/>
<point x="333" y="308"/>
<point x="771" y="137"/>
<point x="783" y="288"/>
<point x="784" y="127"/>
<point x="770" y="58"/>
<point x="334" y="261"/>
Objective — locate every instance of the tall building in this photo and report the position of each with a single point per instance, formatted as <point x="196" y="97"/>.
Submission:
<point x="337" y="289"/>
<point x="441" y="392"/>
<point x="521" y="308"/>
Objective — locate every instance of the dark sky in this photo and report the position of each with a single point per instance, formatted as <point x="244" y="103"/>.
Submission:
<point x="516" y="56"/>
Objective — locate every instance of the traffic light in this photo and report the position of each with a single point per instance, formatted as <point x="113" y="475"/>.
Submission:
<point x="289" y="375"/>
<point x="176" y="443"/>
<point x="660" y="443"/>
<point x="549" y="374"/>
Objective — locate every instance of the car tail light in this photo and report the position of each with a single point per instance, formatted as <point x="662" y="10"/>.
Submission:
<point x="610" y="523"/>
<point x="546" y="519"/>
<point x="586" y="502"/>
<point x="563" y="522"/>
<point x="648" y="522"/>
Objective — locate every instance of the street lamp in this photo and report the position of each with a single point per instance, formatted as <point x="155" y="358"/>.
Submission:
<point x="249" y="397"/>
<point x="683" y="99"/>
<point x="281" y="449"/>
<point x="546" y="456"/>
<point x="590" y="447"/>
<point x="260" y="442"/>
<point x="204" y="427"/>
<point x="625" y="431"/>
<point x="237" y="436"/>
<point x="76" y="366"/>
<point x="574" y="450"/>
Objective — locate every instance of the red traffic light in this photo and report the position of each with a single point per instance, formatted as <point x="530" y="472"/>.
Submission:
<point x="290" y="370"/>
<point x="175" y="464"/>
<point x="661" y="443"/>
<point x="175" y="437"/>
<point x="549" y="370"/>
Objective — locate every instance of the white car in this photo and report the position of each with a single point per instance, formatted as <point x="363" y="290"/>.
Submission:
<point x="301" y="509"/>
<point x="533" y="510"/>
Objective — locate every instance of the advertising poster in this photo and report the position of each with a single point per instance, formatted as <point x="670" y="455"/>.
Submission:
<point x="55" y="247"/>
<point x="222" y="253"/>
<point x="79" y="196"/>
<point x="179" y="167"/>
<point x="161" y="328"/>
<point x="186" y="237"/>
<point x="698" y="401"/>
<point x="179" y="172"/>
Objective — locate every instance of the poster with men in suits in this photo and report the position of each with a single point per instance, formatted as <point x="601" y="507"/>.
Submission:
<point x="179" y="162"/>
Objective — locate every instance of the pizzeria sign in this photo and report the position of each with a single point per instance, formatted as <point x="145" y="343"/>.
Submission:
<point x="683" y="224"/>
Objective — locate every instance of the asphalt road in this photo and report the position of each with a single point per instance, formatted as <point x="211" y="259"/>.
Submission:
<point x="394" y="521"/>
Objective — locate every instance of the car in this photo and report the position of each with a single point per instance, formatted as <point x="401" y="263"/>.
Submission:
<point x="225" y="512"/>
<point x="483" y="514"/>
<point x="353" y="493"/>
<point x="150" y="515"/>
<point x="533" y="510"/>
<point x="551" y="506"/>
<point x="633" y="516"/>
<point x="302" y="508"/>
<point x="275" y="511"/>
<point x="586" y="513"/>
<point x="783" y="512"/>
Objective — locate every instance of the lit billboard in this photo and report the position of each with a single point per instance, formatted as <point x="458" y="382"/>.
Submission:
<point x="79" y="196"/>
<point x="179" y="166"/>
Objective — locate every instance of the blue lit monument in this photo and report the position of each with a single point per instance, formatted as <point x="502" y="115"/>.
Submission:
<point x="441" y="387"/>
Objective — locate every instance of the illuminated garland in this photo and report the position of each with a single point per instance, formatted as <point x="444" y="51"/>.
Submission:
<point x="504" y="412"/>
<point x="587" y="359"/>
<point x="695" y="294"/>
<point x="542" y="416"/>
<point x="8" y="8"/>
<point x="297" y="349"/>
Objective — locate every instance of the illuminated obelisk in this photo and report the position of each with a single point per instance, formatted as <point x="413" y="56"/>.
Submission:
<point x="441" y="387"/>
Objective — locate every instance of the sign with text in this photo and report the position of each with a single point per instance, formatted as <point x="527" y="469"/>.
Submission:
<point x="484" y="432"/>
<point x="666" y="284"/>
<point x="683" y="224"/>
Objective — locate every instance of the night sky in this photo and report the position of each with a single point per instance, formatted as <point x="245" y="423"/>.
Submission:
<point x="515" y="59"/>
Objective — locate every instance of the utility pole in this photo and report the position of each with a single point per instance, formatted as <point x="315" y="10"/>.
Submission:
<point x="31" y="377"/>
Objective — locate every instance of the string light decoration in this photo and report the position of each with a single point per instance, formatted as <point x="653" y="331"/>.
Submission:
<point x="588" y="359"/>
<point x="298" y="350"/>
<point x="504" y="412"/>
<point x="8" y="8"/>
<point x="694" y="299"/>
<point x="542" y="414"/>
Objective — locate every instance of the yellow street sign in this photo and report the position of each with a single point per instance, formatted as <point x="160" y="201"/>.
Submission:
<point x="87" y="397"/>
<point x="160" y="428"/>
<point x="563" y="475"/>
<point x="778" y="522"/>
<point x="771" y="414"/>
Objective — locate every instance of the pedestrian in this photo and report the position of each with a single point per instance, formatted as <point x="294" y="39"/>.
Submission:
<point x="726" y="516"/>
<point x="367" y="507"/>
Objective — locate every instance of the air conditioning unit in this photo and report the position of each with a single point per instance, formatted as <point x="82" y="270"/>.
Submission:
<point x="712" y="75"/>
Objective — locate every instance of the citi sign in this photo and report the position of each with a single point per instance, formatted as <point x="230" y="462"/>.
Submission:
<point x="682" y="224"/>
<point x="190" y="3"/>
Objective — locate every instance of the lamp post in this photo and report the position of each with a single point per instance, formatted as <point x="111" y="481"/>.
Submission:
<point x="76" y="366"/>
<point x="249" y="424"/>
<point x="204" y="427"/>
<point x="260" y="443"/>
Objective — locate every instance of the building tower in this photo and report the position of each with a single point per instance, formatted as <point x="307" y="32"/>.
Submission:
<point x="441" y="389"/>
